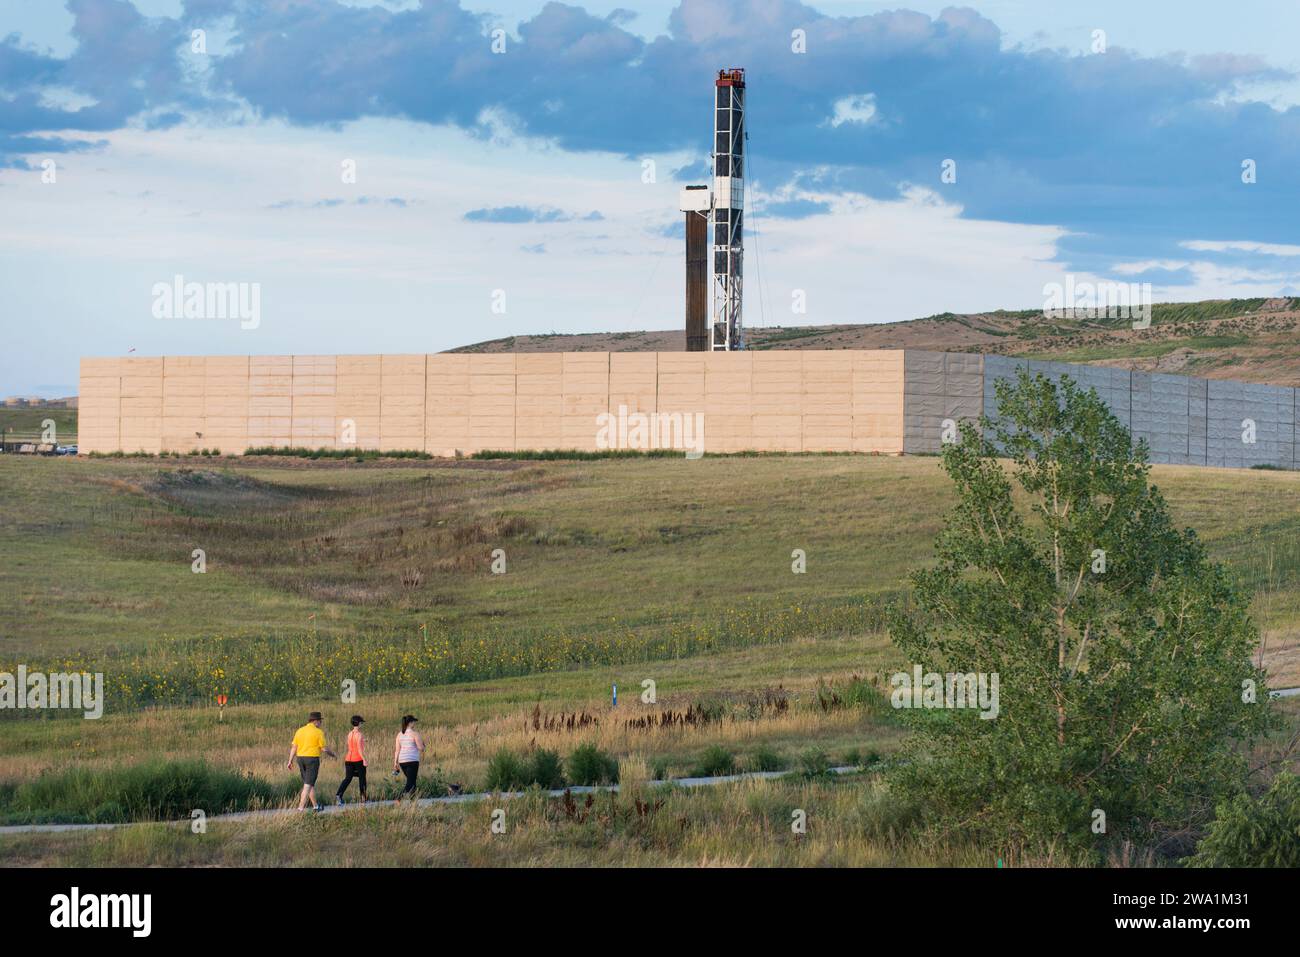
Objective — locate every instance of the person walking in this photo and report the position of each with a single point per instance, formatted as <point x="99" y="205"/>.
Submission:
<point x="408" y="748"/>
<point x="308" y="745"/>
<point x="354" y="761"/>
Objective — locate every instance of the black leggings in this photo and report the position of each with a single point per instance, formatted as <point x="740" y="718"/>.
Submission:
<point x="412" y="771"/>
<point x="354" y="769"/>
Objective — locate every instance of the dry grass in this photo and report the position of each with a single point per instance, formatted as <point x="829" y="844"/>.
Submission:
<point x="464" y="725"/>
<point x="742" y="825"/>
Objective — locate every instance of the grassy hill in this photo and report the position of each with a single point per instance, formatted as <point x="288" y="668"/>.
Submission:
<point x="1254" y="340"/>
<point x="603" y="558"/>
<point x="618" y="571"/>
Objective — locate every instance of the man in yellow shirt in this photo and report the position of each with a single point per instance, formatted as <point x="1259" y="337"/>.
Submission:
<point x="308" y="745"/>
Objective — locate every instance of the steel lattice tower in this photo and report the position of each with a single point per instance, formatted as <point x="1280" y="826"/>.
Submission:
<point x="728" y="209"/>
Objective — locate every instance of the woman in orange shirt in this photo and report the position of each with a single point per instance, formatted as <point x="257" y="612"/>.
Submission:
<point x="355" y="760"/>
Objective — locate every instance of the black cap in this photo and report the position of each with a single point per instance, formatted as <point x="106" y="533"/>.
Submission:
<point x="357" y="719"/>
<point x="314" y="716"/>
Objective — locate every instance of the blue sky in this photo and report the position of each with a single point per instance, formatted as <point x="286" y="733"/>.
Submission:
<point x="544" y="177"/>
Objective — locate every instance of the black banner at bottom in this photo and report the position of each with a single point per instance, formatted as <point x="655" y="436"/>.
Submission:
<point x="223" y="906"/>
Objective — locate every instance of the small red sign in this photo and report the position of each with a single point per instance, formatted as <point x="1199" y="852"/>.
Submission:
<point x="221" y="701"/>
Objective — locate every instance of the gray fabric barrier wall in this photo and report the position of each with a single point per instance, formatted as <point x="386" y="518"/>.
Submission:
<point x="939" y="387"/>
<point x="1249" y="424"/>
<point x="1184" y="420"/>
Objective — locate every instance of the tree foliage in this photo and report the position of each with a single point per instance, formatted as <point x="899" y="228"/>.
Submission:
<point x="1255" y="832"/>
<point x="1124" y="655"/>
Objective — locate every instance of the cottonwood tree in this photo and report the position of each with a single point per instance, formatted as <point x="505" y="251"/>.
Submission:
<point x="1120" y="680"/>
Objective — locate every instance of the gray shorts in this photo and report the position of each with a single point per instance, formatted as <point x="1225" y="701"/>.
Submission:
<point x="309" y="768"/>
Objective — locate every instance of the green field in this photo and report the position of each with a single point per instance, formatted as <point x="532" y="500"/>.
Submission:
<point x="616" y="571"/>
<point x="28" y="423"/>
<point x="605" y="555"/>
<point x="102" y="548"/>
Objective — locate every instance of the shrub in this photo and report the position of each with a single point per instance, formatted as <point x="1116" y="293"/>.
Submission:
<point x="153" y="791"/>
<point x="633" y="775"/>
<point x="591" y="766"/>
<point x="546" y="770"/>
<point x="816" y="762"/>
<point x="853" y="758"/>
<point x="888" y="813"/>
<point x="710" y="710"/>
<point x="765" y="758"/>
<point x="506" y="771"/>
<point x="356" y="455"/>
<point x="1255" y="832"/>
<point x="716" y="761"/>
<point x="574" y="455"/>
<point x="109" y="811"/>
<point x="865" y="693"/>
<point x="432" y="783"/>
<point x="659" y="769"/>
<point x="857" y="692"/>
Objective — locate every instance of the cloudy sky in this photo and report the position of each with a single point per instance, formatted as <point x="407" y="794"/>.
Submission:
<point x="387" y="172"/>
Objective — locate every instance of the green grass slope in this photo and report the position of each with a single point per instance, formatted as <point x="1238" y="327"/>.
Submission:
<point x="601" y="557"/>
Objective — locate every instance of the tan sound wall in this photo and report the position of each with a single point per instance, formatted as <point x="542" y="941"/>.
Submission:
<point x="805" y="401"/>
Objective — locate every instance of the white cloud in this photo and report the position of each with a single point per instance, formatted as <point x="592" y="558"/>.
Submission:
<point x="858" y="109"/>
<point x="1243" y="246"/>
<point x="82" y="255"/>
<point x="78" y="258"/>
<point x="1147" y="265"/>
<point x="890" y="260"/>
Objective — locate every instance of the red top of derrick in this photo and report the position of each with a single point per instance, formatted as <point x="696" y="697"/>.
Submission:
<point x="731" y="78"/>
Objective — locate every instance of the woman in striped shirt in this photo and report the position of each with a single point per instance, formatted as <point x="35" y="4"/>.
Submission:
<point x="407" y="751"/>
